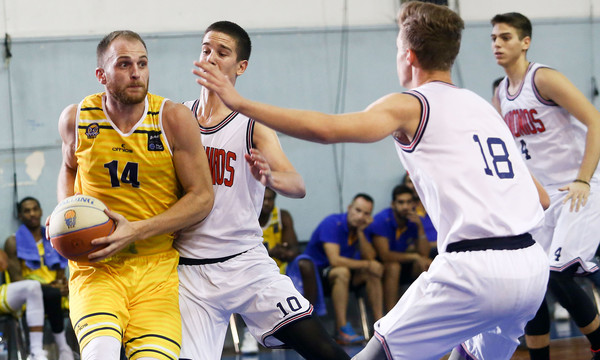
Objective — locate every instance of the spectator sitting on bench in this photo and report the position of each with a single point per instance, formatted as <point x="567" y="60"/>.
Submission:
<point x="31" y="256"/>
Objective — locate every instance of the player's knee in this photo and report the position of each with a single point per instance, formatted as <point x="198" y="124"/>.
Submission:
<point x="540" y="324"/>
<point x="33" y="286"/>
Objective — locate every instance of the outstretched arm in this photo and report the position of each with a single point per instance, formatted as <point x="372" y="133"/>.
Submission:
<point x="395" y="112"/>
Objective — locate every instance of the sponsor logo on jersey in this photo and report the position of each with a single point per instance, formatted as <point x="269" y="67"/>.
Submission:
<point x="122" y="149"/>
<point x="70" y="218"/>
<point x="81" y="327"/>
<point x="154" y="141"/>
<point x="221" y="167"/>
<point x="523" y="122"/>
<point x="92" y="130"/>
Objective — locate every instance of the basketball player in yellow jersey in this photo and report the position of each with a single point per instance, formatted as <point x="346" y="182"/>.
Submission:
<point x="278" y="231"/>
<point x="143" y="157"/>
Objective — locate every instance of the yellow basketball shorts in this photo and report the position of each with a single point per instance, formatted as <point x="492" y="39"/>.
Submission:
<point x="133" y="299"/>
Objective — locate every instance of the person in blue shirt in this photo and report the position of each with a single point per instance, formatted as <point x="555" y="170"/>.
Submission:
<point x="399" y="239"/>
<point x="430" y="230"/>
<point x="344" y="257"/>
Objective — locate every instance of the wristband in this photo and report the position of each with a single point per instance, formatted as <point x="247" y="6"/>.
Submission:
<point x="582" y="181"/>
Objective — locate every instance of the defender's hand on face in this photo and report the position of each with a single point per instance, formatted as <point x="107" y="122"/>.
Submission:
<point x="211" y="77"/>
<point x="578" y="195"/>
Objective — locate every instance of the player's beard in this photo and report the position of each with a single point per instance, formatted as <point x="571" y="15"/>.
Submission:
<point x="121" y="95"/>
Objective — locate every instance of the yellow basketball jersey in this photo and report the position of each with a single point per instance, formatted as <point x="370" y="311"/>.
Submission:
<point x="272" y="235"/>
<point x="132" y="173"/>
<point x="44" y="275"/>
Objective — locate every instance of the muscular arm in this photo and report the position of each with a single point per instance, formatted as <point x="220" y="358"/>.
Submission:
<point x="14" y="264"/>
<point x="193" y="173"/>
<point x="555" y="86"/>
<point x="68" y="166"/>
<point x="271" y="166"/>
<point x="395" y="112"/>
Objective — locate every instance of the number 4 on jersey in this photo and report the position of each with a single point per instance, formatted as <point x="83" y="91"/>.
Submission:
<point x="524" y="150"/>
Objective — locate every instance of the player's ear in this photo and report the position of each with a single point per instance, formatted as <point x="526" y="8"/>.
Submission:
<point x="242" y="66"/>
<point x="526" y="42"/>
<point x="410" y="56"/>
<point x="101" y="76"/>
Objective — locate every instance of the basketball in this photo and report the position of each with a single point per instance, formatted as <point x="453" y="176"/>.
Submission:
<point x="75" y="222"/>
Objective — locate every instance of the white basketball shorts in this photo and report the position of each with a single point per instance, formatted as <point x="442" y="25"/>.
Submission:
<point x="249" y="284"/>
<point x="570" y="237"/>
<point x="482" y="299"/>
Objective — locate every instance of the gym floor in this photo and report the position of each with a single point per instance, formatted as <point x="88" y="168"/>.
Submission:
<point x="567" y="344"/>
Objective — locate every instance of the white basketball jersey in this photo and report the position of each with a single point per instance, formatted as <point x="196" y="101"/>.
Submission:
<point x="466" y="169"/>
<point x="551" y="141"/>
<point x="232" y="225"/>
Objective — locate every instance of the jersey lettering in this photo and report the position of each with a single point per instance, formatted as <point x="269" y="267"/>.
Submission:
<point x="221" y="168"/>
<point x="523" y="122"/>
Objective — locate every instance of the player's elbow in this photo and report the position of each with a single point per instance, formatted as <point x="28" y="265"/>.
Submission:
<point x="545" y="201"/>
<point x="204" y="203"/>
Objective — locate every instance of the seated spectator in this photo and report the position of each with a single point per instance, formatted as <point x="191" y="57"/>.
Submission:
<point x="345" y="257"/>
<point x="31" y="256"/>
<point x="27" y="292"/>
<point x="430" y="230"/>
<point x="399" y="239"/>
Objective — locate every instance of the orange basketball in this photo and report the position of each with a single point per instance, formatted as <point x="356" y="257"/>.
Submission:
<point x="75" y="222"/>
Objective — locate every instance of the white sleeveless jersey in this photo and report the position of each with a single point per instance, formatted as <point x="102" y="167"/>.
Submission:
<point x="232" y="225"/>
<point x="466" y="169"/>
<point x="551" y="141"/>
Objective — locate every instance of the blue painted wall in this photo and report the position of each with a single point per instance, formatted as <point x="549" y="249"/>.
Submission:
<point x="297" y="69"/>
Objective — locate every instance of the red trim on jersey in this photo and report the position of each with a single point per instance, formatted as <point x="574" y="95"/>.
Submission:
<point x="536" y="91"/>
<point x="410" y="147"/>
<point x="219" y="126"/>
<point x="575" y="261"/>
<point x="384" y="345"/>
<point x="512" y="97"/>
<point x="287" y="322"/>
<point x="250" y="135"/>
